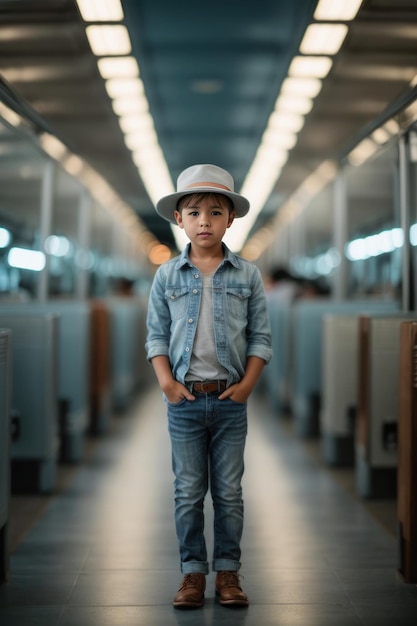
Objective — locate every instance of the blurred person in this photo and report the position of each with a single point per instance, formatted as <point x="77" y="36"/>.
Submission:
<point x="282" y="285"/>
<point x="312" y="288"/>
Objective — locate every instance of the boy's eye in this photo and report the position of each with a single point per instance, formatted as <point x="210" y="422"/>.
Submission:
<point x="196" y="213"/>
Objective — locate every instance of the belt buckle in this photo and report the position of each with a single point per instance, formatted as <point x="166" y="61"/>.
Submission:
<point x="209" y="386"/>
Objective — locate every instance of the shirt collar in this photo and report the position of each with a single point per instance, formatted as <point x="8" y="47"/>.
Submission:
<point x="229" y="257"/>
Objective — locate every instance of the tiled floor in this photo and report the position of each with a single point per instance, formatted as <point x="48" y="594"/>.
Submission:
<point x="104" y="551"/>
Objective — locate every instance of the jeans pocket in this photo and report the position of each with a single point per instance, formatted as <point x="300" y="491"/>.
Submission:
<point x="182" y="401"/>
<point x="235" y="402"/>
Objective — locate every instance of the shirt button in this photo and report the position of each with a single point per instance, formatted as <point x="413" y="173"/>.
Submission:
<point x="195" y="290"/>
<point x="196" y="275"/>
<point x="190" y="321"/>
<point x="187" y="349"/>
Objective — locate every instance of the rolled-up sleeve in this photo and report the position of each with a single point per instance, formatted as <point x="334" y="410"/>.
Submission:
<point x="158" y="319"/>
<point x="258" y="332"/>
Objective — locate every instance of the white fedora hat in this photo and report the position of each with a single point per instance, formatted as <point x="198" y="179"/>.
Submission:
<point x="203" y="178"/>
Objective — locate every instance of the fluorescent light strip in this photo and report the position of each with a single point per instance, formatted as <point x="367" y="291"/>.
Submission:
<point x="101" y="10"/>
<point x="362" y="152"/>
<point x="108" y="40"/>
<point x="25" y="259"/>
<point x="118" y="67"/>
<point x="129" y="102"/>
<point x="295" y="104"/>
<point x="5" y="237"/>
<point x="303" y="87"/>
<point x="374" y="245"/>
<point x="9" y="115"/>
<point x="137" y="123"/>
<point x="139" y="140"/>
<point x="295" y="98"/>
<point x="286" y="120"/>
<point x="276" y="138"/>
<point x="53" y="146"/>
<point x="310" y="66"/>
<point x="338" y="10"/>
<point x="323" y="38"/>
<point x="126" y="106"/>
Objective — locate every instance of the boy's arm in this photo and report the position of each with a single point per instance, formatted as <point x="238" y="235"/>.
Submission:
<point x="173" y="390"/>
<point x="259" y="352"/>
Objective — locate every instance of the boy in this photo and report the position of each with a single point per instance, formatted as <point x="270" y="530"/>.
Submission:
<point x="208" y="340"/>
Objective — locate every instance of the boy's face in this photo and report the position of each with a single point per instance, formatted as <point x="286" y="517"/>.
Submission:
<point x="206" y="220"/>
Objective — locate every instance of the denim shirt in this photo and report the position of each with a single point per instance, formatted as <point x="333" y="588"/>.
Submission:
<point x="241" y="322"/>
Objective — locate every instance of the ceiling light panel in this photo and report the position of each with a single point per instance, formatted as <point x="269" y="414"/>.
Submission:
<point x="277" y="138"/>
<point x="323" y="38"/>
<point x="108" y="40"/>
<point x="296" y="104"/>
<point x="118" y="67"/>
<point x="309" y="66"/>
<point x="130" y="105"/>
<point x="305" y="87"/>
<point x="135" y="123"/>
<point x="338" y="10"/>
<point x="101" y="10"/>
<point x="286" y="120"/>
<point x="118" y="87"/>
<point x="141" y="139"/>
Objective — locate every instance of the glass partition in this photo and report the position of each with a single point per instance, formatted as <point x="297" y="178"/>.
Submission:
<point x="413" y="220"/>
<point x="374" y="238"/>
<point x="311" y="234"/>
<point x="62" y="243"/>
<point x="101" y="254"/>
<point x="21" y="175"/>
<point x="56" y="240"/>
<point x="372" y="232"/>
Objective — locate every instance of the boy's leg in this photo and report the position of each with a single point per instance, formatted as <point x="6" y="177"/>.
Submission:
<point x="226" y="471"/>
<point x="227" y="445"/>
<point x="188" y="432"/>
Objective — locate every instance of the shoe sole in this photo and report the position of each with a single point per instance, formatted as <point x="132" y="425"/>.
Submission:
<point x="232" y="603"/>
<point x="188" y="605"/>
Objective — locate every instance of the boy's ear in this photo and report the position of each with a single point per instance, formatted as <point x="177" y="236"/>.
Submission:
<point x="178" y="217"/>
<point x="232" y="216"/>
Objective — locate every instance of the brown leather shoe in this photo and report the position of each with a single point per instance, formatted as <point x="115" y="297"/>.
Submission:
<point x="191" y="593"/>
<point x="229" y="591"/>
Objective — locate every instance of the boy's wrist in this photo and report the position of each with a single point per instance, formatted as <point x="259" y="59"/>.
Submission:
<point x="245" y="387"/>
<point x="167" y="384"/>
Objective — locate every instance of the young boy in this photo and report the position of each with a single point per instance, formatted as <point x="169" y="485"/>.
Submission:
<point x="208" y="339"/>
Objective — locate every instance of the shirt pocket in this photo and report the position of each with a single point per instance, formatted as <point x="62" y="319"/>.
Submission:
<point x="177" y="298"/>
<point x="237" y="301"/>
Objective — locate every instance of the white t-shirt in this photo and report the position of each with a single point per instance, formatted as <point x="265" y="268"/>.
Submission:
<point x="204" y="364"/>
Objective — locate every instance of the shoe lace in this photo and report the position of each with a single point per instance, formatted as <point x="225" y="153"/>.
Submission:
<point x="231" y="579"/>
<point x="190" y="580"/>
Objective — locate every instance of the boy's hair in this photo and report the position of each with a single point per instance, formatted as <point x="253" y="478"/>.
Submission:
<point x="195" y="198"/>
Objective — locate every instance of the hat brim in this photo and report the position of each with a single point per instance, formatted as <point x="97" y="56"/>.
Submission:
<point x="166" y="206"/>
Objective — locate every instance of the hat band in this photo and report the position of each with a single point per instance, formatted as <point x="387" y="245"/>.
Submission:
<point x="204" y="184"/>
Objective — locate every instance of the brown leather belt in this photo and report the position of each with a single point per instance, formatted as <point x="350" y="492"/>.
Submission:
<point x="210" y="386"/>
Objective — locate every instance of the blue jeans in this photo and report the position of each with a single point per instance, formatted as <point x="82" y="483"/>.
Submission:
<point x="208" y="440"/>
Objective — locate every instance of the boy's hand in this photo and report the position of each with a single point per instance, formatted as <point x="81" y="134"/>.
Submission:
<point x="236" y="392"/>
<point x="240" y="392"/>
<point x="176" y="392"/>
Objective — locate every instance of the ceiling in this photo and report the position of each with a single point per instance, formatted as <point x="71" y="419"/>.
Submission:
<point x="212" y="73"/>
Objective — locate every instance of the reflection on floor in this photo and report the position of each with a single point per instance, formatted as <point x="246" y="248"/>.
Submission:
<point x="103" y="551"/>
